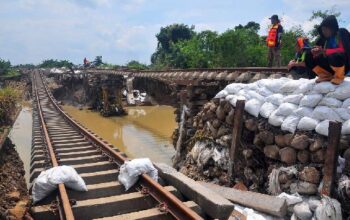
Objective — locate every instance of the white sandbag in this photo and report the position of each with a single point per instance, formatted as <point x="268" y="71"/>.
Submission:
<point x="341" y="165"/>
<point x="234" y="88"/>
<point x="304" y="111"/>
<point x="342" y="92"/>
<point x="325" y="113"/>
<point x="275" y="84"/>
<point x="253" y="107"/>
<point x="251" y="86"/>
<point x="330" y="102"/>
<point x="131" y="170"/>
<point x="48" y="180"/>
<point x="286" y="109"/>
<point x="305" y="87"/>
<point x="346" y="128"/>
<point x="313" y="202"/>
<point x="343" y="113"/>
<point x="255" y="95"/>
<point x="290" y="86"/>
<point x="276" y="120"/>
<point x="311" y="100"/>
<point x="229" y="97"/>
<point x="324" y="88"/>
<point x="290" y="123"/>
<point x="264" y="91"/>
<point x="291" y="199"/>
<point x="330" y="209"/>
<point x="346" y="103"/>
<point x="302" y="211"/>
<point x="235" y="98"/>
<point x="294" y="99"/>
<point x="275" y="99"/>
<point x="244" y="92"/>
<point x="221" y="94"/>
<point x="266" y="109"/>
<point x="322" y="127"/>
<point x="307" y="124"/>
<point x="196" y="149"/>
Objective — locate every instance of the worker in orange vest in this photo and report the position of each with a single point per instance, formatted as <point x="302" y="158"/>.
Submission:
<point x="273" y="41"/>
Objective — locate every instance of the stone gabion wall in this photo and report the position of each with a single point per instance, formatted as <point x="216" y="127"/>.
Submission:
<point x="264" y="148"/>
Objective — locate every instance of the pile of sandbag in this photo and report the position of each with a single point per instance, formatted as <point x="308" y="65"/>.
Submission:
<point x="294" y="104"/>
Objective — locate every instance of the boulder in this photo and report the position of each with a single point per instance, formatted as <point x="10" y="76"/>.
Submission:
<point x="288" y="139"/>
<point x="288" y="155"/>
<point x="251" y="124"/>
<point x="300" y="142"/>
<point x="216" y="123"/>
<point x="229" y="117"/>
<point x="303" y="188"/>
<point x="220" y="113"/>
<point x="271" y="151"/>
<point x="316" y="145"/>
<point x="280" y="140"/>
<point x="266" y="137"/>
<point x="303" y="156"/>
<point x="302" y="211"/>
<point x="310" y="174"/>
<point x="318" y="156"/>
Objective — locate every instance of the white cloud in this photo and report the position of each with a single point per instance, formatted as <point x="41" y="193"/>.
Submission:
<point x="132" y="5"/>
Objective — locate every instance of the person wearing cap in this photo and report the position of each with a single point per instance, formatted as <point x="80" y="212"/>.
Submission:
<point x="303" y="59"/>
<point x="331" y="55"/>
<point x="273" y="41"/>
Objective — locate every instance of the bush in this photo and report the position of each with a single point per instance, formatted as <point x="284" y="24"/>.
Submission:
<point x="8" y="101"/>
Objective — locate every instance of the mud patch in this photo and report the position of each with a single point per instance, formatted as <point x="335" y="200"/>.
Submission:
<point x="14" y="196"/>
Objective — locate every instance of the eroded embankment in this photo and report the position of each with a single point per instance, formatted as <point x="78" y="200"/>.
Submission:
<point x="14" y="196"/>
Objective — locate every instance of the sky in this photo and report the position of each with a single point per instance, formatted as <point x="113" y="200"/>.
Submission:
<point x="124" y="30"/>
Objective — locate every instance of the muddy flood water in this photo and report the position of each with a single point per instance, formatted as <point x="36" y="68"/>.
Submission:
<point x="21" y="136"/>
<point x="145" y="132"/>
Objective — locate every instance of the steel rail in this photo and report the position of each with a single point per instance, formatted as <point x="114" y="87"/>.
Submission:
<point x="67" y="209"/>
<point x="174" y="206"/>
<point x="257" y="69"/>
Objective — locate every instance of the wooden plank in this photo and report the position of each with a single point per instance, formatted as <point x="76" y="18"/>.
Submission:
<point x="236" y="137"/>
<point x="271" y="205"/>
<point x="332" y="153"/>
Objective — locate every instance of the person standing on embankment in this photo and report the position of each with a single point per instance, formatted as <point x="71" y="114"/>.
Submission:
<point x="273" y="42"/>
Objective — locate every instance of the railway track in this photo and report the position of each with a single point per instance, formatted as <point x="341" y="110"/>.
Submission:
<point x="59" y="140"/>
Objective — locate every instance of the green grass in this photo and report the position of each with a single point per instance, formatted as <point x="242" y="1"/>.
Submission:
<point x="10" y="73"/>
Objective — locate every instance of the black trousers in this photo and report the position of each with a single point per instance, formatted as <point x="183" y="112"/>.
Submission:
<point x="326" y="62"/>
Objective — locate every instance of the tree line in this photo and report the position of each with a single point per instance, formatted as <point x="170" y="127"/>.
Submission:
<point x="179" y="46"/>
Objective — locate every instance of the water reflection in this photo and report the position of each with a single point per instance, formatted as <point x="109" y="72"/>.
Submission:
<point x="145" y="132"/>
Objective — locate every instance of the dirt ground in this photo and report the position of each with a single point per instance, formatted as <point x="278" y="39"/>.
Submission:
<point x="14" y="196"/>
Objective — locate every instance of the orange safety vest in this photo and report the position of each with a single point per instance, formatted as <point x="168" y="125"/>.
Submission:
<point x="271" y="39"/>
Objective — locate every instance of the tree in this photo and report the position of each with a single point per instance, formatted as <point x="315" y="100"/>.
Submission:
<point x="167" y="53"/>
<point x="51" y="63"/>
<point x="173" y="34"/>
<point x="321" y="15"/>
<point x="98" y="60"/>
<point x="199" y="51"/>
<point x="136" y="65"/>
<point x="250" y="25"/>
<point x="4" y="66"/>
